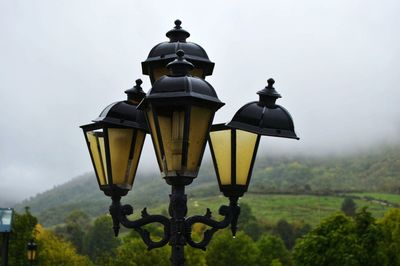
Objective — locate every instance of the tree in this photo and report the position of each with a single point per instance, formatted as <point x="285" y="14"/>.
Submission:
<point x="342" y="240"/>
<point x="273" y="250"/>
<point x="390" y="225"/>
<point x="286" y="232"/>
<point x="22" y="231"/>
<point x="225" y="250"/>
<point x="348" y="207"/>
<point x="55" y="251"/>
<point x="248" y="222"/>
<point x="133" y="252"/>
<point x="100" y="240"/>
<point x="76" y="224"/>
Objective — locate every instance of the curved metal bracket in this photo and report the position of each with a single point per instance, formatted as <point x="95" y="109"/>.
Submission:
<point x="120" y="215"/>
<point x="230" y="213"/>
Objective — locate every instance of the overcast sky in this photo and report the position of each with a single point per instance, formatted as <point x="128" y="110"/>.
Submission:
<point x="336" y="64"/>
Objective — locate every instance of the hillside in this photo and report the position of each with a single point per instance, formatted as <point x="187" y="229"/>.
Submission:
<point x="376" y="171"/>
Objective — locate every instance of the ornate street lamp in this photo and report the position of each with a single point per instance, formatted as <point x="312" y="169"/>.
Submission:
<point x="115" y="142"/>
<point x="178" y="112"/>
<point x="234" y="146"/>
<point x="31" y="251"/>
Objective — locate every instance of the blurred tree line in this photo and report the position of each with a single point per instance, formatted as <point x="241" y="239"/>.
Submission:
<point x="342" y="239"/>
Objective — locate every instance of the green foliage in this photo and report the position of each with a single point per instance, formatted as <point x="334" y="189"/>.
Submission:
<point x="225" y="250"/>
<point x="273" y="251"/>
<point x="341" y="240"/>
<point x="55" y="251"/>
<point x="76" y="224"/>
<point x="100" y="242"/>
<point x="23" y="231"/>
<point x="348" y="207"/>
<point x="133" y="252"/>
<point x="248" y="222"/>
<point x="286" y="232"/>
<point x="390" y="225"/>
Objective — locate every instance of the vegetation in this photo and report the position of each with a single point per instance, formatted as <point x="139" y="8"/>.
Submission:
<point x="376" y="173"/>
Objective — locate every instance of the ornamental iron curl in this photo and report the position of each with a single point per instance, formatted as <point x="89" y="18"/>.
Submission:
<point x="178" y="228"/>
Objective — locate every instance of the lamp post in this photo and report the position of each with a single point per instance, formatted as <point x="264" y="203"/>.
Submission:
<point x="31" y="251"/>
<point x="178" y="112"/>
<point x="6" y="219"/>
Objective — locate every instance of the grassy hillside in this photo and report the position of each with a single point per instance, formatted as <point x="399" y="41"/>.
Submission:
<point x="303" y="178"/>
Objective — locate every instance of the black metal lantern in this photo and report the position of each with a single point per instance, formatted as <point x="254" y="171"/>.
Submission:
<point x="31" y="251"/>
<point x="233" y="152"/>
<point x="115" y="142"/>
<point x="165" y="52"/>
<point x="179" y="109"/>
<point x="265" y="117"/>
<point x="234" y="146"/>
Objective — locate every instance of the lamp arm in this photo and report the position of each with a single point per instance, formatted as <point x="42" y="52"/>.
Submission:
<point x="231" y="215"/>
<point x="120" y="213"/>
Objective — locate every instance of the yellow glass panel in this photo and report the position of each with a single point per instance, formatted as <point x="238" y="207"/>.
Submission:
<point x="140" y="136"/>
<point x="120" y="142"/>
<point x="171" y="128"/>
<point x="31" y="254"/>
<point x="103" y="156"/>
<point x="197" y="72"/>
<point x="199" y="125"/>
<point x="154" y="137"/>
<point x="159" y="72"/>
<point x="96" y="156"/>
<point x="245" y="144"/>
<point x="221" y="145"/>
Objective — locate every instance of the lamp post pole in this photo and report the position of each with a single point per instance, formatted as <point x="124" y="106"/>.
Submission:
<point x="4" y="253"/>
<point x="177" y="211"/>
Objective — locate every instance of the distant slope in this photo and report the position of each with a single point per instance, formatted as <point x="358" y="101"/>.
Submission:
<point x="375" y="171"/>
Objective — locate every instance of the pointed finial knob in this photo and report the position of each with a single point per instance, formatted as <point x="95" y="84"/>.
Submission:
<point x="177" y="34"/>
<point x="178" y="24"/>
<point x="271" y="82"/>
<point x="138" y="82"/>
<point x="136" y="93"/>
<point x="180" y="66"/>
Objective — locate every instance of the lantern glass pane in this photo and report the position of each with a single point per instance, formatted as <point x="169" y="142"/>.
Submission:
<point x="159" y="72"/>
<point x="221" y="145"/>
<point x="171" y="125"/>
<point x="120" y="143"/>
<point x="96" y="156"/>
<point x="199" y="127"/>
<point x="197" y="72"/>
<point x="140" y="136"/>
<point x="153" y="130"/>
<point x="103" y="156"/>
<point x="245" y="145"/>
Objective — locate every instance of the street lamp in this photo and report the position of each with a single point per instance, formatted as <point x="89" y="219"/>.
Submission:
<point x="178" y="111"/>
<point x="6" y="221"/>
<point x="31" y="251"/>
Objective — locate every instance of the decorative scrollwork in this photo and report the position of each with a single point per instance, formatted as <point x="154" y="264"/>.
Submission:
<point x="230" y="214"/>
<point x="119" y="214"/>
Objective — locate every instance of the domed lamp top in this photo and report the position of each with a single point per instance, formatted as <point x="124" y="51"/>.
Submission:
<point x="165" y="52"/>
<point x="265" y="117"/>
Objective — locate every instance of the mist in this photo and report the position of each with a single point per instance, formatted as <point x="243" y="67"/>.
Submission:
<point x="336" y="64"/>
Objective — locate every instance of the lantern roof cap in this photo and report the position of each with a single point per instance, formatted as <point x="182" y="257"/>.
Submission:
<point x="265" y="117"/>
<point x="165" y="52"/>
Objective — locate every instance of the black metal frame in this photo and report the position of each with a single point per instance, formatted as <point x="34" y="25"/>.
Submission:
<point x="178" y="227"/>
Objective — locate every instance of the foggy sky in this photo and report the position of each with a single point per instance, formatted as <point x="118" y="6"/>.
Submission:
<point x="336" y="64"/>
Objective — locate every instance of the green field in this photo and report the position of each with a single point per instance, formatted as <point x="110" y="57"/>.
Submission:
<point x="270" y="208"/>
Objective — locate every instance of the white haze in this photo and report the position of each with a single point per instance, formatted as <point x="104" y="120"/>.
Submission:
<point x="336" y="64"/>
